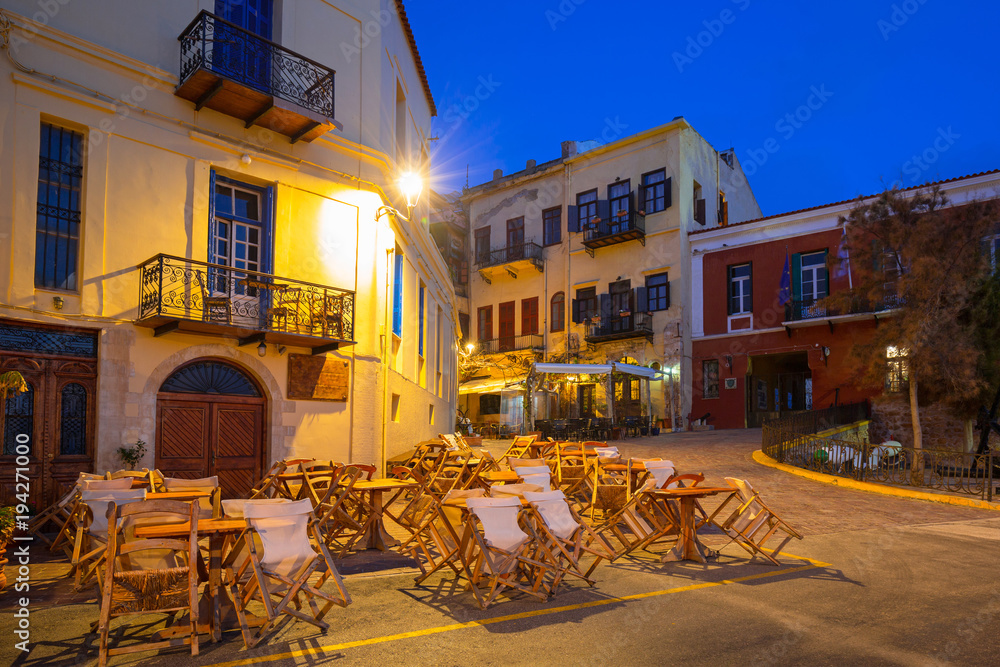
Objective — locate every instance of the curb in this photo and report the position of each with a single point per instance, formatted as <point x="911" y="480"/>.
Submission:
<point x="765" y="460"/>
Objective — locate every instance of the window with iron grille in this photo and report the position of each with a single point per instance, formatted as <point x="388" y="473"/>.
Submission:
<point x="654" y="187"/>
<point x="19" y="418"/>
<point x="73" y="420"/>
<point x="710" y="378"/>
<point x="551" y="225"/>
<point x="658" y="292"/>
<point x="58" y="218"/>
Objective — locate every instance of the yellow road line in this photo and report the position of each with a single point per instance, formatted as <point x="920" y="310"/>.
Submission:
<point x="813" y="564"/>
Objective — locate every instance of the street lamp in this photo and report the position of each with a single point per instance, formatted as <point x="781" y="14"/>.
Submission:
<point x="470" y="347"/>
<point x="411" y="185"/>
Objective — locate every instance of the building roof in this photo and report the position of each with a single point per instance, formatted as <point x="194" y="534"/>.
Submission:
<point x="416" y="55"/>
<point x="838" y="203"/>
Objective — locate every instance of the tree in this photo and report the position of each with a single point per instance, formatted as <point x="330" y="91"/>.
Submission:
<point x="923" y="259"/>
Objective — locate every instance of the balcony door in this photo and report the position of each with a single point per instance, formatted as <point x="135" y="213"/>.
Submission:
<point x="237" y="56"/>
<point x="507" y="326"/>
<point x="619" y="198"/>
<point x="621" y="305"/>
<point x="515" y="239"/>
<point x="240" y="238"/>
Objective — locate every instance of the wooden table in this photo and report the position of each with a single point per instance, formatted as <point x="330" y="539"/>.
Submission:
<point x="688" y="547"/>
<point x="177" y="495"/>
<point x="216" y="610"/>
<point x="375" y="535"/>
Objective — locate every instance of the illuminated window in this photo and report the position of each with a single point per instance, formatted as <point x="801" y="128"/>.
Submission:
<point x="897" y="374"/>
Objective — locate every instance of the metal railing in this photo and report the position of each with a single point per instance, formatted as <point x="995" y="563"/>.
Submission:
<point x="510" y="344"/>
<point x="620" y="326"/>
<point x="814" y="421"/>
<point x="618" y="224"/>
<point x="229" y="51"/>
<point x="807" y="309"/>
<point x="509" y="254"/>
<point x="183" y="289"/>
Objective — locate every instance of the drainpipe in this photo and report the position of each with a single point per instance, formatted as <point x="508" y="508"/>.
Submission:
<point x="386" y="341"/>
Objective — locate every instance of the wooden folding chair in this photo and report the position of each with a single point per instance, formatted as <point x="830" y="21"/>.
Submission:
<point x="340" y="519"/>
<point x="519" y="447"/>
<point x="437" y="533"/>
<point x="281" y="559"/>
<point x="149" y="575"/>
<point x="209" y="506"/>
<point x="495" y="551"/>
<point x="268" y="486"/>
<point x="538" y="475"/>
<point x="566" y="537"/>
<point x="753" y="523"/>
<point x="60" y="514"/>
<point x="91" y="524"/>
<point x="572" y="469"/>
<point x="151" y="480"/>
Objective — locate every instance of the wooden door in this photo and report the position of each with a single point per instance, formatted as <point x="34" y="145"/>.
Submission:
<point x="507" y="326"/>
<point x="58" y="414"/>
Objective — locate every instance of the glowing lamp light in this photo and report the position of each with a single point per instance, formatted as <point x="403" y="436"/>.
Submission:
<point x="470" y="347"/>
<point x="410" y="184"/>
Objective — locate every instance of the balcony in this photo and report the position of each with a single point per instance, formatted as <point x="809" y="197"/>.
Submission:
<point x="809" y="309"/>
<point x="620" y="327"/>
<point x="511" y="344"/>
<point x="240" y="74"/>
<point x="181" y="295"/>
<point x="510" y="260"/>
<point x="626" y="226"/>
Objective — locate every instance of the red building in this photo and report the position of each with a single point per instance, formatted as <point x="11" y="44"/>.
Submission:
<point x="761" y="348"/>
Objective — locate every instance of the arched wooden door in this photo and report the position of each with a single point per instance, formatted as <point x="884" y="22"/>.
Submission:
<point x="210" y="421"/>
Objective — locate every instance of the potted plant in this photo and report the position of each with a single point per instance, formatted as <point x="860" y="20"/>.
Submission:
<point x="131" y="455"/>
<point x="654" y="426"/>
<point x="6" y="533"/>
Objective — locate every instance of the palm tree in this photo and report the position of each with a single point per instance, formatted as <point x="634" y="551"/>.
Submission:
<point x="10" y="382"/>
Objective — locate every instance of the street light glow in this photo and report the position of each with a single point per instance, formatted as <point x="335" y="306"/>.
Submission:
<point x="410" y="184"/>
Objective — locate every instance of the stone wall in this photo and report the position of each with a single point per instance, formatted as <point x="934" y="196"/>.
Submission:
<point x="941" y="429"/>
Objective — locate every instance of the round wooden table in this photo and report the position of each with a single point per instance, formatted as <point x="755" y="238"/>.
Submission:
<point x="688" y="547"/>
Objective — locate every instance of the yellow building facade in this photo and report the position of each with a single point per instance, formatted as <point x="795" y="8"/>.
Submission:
<point x="585" y="259"/>
<point x="203" y="241"/>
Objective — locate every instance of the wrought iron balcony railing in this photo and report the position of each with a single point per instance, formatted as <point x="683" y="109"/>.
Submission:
<point x="616" y="229"/>
<point x="633" y="325"/>
<point x="510" y="254"/>
<point x="198" y="297"/>
<point x="807" y="309"/>
<point x="510" y="344"/>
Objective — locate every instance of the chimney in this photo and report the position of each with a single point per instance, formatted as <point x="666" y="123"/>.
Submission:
<point x="497" y="174"/>
<point x="530" y="164"/>
<point x="568" y="149"/>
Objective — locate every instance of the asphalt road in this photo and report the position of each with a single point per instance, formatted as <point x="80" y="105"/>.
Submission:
<point x="875" y="581"/>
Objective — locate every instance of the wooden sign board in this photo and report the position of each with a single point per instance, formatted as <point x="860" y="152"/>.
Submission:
<point x="319" y="378"/>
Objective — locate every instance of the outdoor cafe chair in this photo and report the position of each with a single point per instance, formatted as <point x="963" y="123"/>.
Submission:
<point x="435" y="540"/>
<point x="495" y="551"/>
<point x="152" y="480"/>
<point x="340" y="514"/>
<point x="513" y="490"/>
<point x="572" y="470"/>
<point x="538" y="475"/>
<point x="567" y="538"/>
<point x="209" y="506"/>
<point x="149" y="575"/>
<point x="60" y="514"/>
<point x="91" y="524"/>
<point x="280" y="560"/>
<point x="753" y="523"/>
<point x="519" y="447"/>
<point x="269" y="485"/>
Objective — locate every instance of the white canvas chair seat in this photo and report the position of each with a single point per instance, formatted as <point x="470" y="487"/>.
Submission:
<point x="206" y="505"/>
<point x="661" y="471"/>
<point x="538" y="475"/>
<point x="566" y="539"/>
<point x="607" y="452"/>
<point x="121" y="484"/>
<point x="554" y="510"/>
<point x="233" y="508"/>
<point x="752" y="524"/>
<point x="92" y="529"/>
<point x="513" y="490"/>
<point x="499" y="519"/>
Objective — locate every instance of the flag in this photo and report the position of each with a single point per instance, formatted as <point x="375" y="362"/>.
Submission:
<point x="785" y="288"/>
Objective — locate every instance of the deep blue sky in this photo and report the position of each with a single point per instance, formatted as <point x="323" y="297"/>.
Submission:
<point x="556" y="74"/>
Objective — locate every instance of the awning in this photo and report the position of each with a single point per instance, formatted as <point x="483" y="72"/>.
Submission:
<point x="599" y="369"/>
<point x="488" y="385"/>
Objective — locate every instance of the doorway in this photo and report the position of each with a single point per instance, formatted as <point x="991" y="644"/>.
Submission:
<point x="210" y="421"/>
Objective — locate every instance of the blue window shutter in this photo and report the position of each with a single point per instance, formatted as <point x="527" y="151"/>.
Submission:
<point x="668" y="193"/>
<point x="211" y="218"/>
<point x="796" y="277"/>
<point x="605" y="308"/>
<point x="420" y="323"/>
<point x="267" y="222"/>
<point x="641" y="300"/>
<point x="572" y="219"/>
<point x="397" y="297"/>
<point x="576" y="311"/>
<point x="603" y="210"/>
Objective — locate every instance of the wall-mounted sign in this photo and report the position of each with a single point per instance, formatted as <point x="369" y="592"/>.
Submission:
<point x="730" y="383"/>
<point x="317" y="378"/>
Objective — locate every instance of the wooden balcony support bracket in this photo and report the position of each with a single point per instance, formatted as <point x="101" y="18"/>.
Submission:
<point x="259" y="114"/>
<point x="251" y="339"/>
<point x="589" y="250"/>
<point x="830" y="322"/>
<point x="304" y="131"/>
<point x="323" y="349"/>
<point x="209" y="94"/>
<point x="485" y="276"/>
<point x="166" y="328"/>
<point x="511" y="272"/>
<point x="788" y="330"/>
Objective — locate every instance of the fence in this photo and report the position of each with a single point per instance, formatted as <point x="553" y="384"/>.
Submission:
<point x="955" y="472"/>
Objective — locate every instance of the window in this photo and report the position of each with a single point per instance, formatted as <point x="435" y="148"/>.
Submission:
<point x="813" y="278"/>
<point x="489" y="404"/>
<point x="657" y="292"/>
<point x="58" y="217"/>
<point x="483" y="245"/>
<point x="240" y="225"/>
<point x="397" y="295"/>
<point x="551" y="225"/>
<point x="463" y="323"/>
<point x="655" y="195"/>
<point x="73" y="420"/>
<point x="586" y="204"/>
<point x="620" y="196"/>
<point x="897" y="374"/>
<point x="586" y="303"/>
<point x="506" y="325"/>
<point x="529" y="316"/>
<point x="740" y="295"/>
<point x="699" y="204"/>
<point x="557" y="312"/>
<point x="992" y="246"/>
<point x="485" y="320"/>
<point x="891" y="271"/>
<point x="723" y="213"/>
<point x="710" y="378"/>
<point x="19" y="419"/>
<point x="420" y="320"/>
<point x="515" y="238"/>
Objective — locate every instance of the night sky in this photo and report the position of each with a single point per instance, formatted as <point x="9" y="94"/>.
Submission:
<point x="822" y="101"/>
